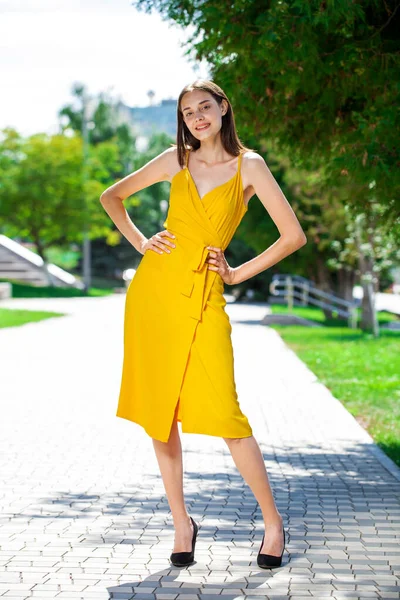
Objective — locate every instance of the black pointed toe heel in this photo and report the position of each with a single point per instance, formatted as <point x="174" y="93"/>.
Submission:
<point x="269" y="561"/>
<point x="181" y="559"/>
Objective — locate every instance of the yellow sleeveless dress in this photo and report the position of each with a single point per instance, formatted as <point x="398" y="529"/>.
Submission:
<point x="177" y="335"/>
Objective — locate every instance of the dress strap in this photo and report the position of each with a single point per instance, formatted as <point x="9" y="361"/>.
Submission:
<point x="187" y="157"/>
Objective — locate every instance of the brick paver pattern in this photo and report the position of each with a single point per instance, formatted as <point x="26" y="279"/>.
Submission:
<point x="83" y="508"/>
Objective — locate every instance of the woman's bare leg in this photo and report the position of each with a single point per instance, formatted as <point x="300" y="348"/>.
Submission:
<point x="169" y="457"/>
<point x="248" y="459"/>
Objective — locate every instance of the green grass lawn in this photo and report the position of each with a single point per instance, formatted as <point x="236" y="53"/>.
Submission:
<point x="316" y="314"/>
<point x="23" y="290"/>
<point x="363" y="372"/>
<point x="12" y="317"/>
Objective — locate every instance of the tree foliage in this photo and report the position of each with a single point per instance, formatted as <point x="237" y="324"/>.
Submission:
<point x="318" y="78"/>
<point x="317" y="81"/>
<point x="103" y="124"/>
<point x="42" y="194"/>
<point x="147" y="209"/>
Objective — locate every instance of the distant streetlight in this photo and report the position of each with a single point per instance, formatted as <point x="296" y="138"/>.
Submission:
<point x="88" y="108"/>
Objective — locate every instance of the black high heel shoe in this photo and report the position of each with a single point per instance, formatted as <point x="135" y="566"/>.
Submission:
<point x="268" y="561"/>
<point x="181" y="559"/>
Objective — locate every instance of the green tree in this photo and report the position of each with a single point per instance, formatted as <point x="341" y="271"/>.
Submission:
<point x="105" y="123"/>
<point x="320" y="209"/>
<point x="42" y="190"/>
<point x="371" y="251"/>
<point x="147" y="209"/>
<point x="316" y="80"/>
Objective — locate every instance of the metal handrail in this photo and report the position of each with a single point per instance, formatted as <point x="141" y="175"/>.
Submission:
<point x="299" y="288"/>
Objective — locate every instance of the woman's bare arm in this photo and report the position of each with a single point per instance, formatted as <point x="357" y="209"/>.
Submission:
<point x="112" y="199"/>
<point x="258" y="175"/>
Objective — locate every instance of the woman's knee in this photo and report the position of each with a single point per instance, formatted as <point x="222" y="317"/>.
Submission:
<point x="234" y="440"/>
<point x="231" y="440"/>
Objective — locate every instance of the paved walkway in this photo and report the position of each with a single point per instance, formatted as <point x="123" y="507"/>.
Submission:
<point x="83" y="509"/>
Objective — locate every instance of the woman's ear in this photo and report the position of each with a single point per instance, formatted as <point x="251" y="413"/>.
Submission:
<point x="224" y="107"/>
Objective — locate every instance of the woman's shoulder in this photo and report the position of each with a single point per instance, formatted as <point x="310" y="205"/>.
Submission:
<point x="173" y="164"/>
<point x="251" y="155"/>
<point x="251" y="159"/>
<point x="171" y="152"/>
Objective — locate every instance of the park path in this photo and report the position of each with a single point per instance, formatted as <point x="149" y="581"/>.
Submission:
<point x="83" y="509"/>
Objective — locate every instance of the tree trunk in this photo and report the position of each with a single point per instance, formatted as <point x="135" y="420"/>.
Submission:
<point x="322" y="275"/>
<point x="41" y="251"/>
<point x="369" y="320"/>
<point x="324" y="281"/>
<point x="346" y="281"/>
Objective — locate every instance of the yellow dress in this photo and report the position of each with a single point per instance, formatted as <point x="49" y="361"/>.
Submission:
<point x="177" y="335"/>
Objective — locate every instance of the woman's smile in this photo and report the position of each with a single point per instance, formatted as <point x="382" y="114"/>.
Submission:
<point x="202" y="127"/>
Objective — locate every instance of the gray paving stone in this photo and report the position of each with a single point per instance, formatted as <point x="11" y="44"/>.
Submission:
<point x="83" y="505"/>
<point x="42" y="594"/>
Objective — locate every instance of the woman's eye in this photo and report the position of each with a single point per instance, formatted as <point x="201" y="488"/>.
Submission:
<point x="189" y="114"/>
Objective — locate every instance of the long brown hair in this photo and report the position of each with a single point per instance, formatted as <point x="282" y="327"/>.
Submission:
<point x="229" y="137"/>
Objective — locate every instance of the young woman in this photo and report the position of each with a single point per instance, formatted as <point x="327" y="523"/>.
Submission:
<point x="178" y="357"/>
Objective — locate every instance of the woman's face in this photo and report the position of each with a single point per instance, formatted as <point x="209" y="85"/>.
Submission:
<point x="202" y="114"/>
